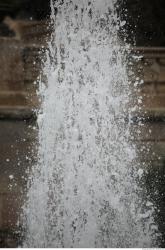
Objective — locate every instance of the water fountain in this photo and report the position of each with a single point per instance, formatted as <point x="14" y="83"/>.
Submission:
<point x="84" y="191"/>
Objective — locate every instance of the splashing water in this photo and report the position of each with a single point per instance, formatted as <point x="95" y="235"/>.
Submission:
<point x="83" y="191"/>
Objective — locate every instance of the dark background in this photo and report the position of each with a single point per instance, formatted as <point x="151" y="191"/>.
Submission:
<point x="145" y="18"/>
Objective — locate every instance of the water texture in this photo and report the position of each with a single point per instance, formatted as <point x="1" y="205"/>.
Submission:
<point x="83" y="191"/>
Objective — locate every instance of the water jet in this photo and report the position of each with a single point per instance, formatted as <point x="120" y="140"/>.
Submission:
<point x="84" y="191"/>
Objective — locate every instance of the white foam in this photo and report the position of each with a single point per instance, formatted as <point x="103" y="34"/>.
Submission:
<point x="83" y="190"/>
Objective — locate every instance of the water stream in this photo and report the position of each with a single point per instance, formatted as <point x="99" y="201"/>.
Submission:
<point x="83" y="191"/>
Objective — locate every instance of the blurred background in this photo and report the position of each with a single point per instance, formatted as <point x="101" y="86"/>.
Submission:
<point x="23" y="34"/>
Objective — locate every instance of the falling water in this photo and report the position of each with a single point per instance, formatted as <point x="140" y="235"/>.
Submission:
<point x="83" y="191"/>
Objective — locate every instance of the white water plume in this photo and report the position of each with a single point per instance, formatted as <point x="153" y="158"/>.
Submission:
<point x="83" y="191"/>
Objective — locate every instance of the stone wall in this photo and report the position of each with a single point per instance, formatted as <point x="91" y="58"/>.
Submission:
<point x="153" y="92"/>
<point x="17" y="130"/>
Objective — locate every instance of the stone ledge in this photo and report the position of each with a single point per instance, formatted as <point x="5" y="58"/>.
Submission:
<point x="150" y="116"/>
<point x="155" y="115"/>
<point x="27" y="113"/>
<point x="17" y="113"/>
<point x="150" y="52"/>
